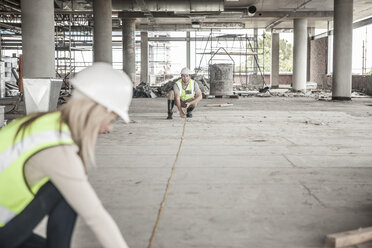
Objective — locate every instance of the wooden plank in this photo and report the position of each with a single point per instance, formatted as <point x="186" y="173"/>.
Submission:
<point x="227" y="96"/>
<point x="349" y="238"/>
<point x="219" y="105"/>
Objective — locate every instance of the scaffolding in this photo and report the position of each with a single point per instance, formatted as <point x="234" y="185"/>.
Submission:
<point x="73" y="34"/>
<point x="159" y="59"/>
<point x="242" y="50"/>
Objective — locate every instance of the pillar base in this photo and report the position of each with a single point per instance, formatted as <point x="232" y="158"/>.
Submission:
<point x="41" y="94"/>
<point x="341" y="98"/>
<point x="2" y="113"/>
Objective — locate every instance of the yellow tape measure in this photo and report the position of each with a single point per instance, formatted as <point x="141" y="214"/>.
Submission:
<point x="162" y="204"/>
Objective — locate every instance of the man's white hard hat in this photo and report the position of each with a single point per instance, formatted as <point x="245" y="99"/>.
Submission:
<point x="111" y="88"/>
<point x="185" y="71"/>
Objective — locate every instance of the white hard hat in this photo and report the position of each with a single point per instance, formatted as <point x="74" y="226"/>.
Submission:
<point x="185" y="71"/>
<point x="109" y="87"/>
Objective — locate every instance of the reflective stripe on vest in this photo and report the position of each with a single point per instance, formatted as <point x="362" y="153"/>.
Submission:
<point x="190" y="87"/>
<point x="6" y="215"/>
<point x="11" y="154"/>
<point x="43" y="133"/>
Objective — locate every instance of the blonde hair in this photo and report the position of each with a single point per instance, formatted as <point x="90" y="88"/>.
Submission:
<point x="84" y="118"/>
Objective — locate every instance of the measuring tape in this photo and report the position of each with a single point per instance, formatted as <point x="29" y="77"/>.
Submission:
<point x="162" y="204"/>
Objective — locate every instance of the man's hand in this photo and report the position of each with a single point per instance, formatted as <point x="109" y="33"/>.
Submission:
<point x="182" y="114"/>
<point x="188" y="104"/>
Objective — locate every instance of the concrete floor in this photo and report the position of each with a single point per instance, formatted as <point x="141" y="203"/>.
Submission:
<point x="266" y="172"/>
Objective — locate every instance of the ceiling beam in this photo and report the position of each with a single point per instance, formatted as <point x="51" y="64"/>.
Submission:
<point x="262" y="14"/>
<point x="11" y="27"/>
<point x="297" y="14"/>
<point x="278" y="21"/>
<point x="145" y="10"/>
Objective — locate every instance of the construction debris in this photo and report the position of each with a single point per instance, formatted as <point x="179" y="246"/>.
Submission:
<point x="264" y="90"/>
<point x="349" y="238"/>
<point x="267" y="92"/>
<point x="11" y="89"/>
<point x="228" y="96"/>
<point x="357" y="94"/>
<point x="144" y="90"/>
<point x="202" y="82"/>
<point x="200" y="79"/>
<point x="168" y="86"/>
<point x="314" y="123"/>
<point x="264" y="94"/>
<point x="317" y="94"/>
<point x="311" y="85"/>
<point x="219" y="105"/>
<point x="246" y="93"/>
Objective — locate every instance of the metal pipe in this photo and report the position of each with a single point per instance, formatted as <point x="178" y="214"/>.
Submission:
<point x="17" y="9"/>
<point x="273" y="24"/>
<point x="169" y="5"/>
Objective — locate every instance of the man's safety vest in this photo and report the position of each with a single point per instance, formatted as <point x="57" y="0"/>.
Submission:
<point x="44" y="132"/>
<point x="189" y="93"/>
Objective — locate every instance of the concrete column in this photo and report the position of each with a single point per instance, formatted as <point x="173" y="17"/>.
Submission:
<point x="255" y="48"/>
<point x="188" y="50"/>
<point x="1" y="51"/>
<point x="310" y="33"/>
<point x="342" y="49"/>
<point x="330" y="49"/>
<point x="274" y="75"/>
<point x="151" y="58"/>
<point x="129" y="48"/>
<point x="319" y="61"/>
<point x="102" y="33"/>
<point x="38" y="38"/>
<point x="299" y="54"/>
<point x="145" y="58"/>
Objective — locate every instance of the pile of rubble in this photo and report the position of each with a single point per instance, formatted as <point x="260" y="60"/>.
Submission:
<point x="144" y="90"/>
<point x="317" y="94"/>
<point x="8" y="89"/>
<point x="200" y="79"/>
<point x="267" y="92"/>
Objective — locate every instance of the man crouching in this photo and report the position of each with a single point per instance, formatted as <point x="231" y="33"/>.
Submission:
<point x="186" y="93"/>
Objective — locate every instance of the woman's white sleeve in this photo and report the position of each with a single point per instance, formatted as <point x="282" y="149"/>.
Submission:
<point x="65" y="169"/>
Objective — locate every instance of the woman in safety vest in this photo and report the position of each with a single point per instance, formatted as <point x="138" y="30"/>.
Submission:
<point x="43" y="160"/>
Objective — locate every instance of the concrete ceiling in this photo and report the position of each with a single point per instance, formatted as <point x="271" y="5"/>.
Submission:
<point x="234" y="13"/>
<point x="172" y="14"/>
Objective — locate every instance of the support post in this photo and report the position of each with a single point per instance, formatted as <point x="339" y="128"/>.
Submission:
<point x="299" y="54"/>
<point x="145" y="58"/>
<point x="129" y="48"/>
<point x="255" y="47"/>
<point x="188" y="49"/>
<point x="102" y="33"/>
<point x="38" y="39"/>
<point x="342" y="49"/>
<point x="274" y="75"/>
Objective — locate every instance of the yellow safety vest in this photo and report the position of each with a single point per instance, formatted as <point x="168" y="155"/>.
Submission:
<point x="189" y="93"/>
<point x="44" y="132"/>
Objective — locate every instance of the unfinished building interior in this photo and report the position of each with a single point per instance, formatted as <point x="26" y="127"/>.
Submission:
<point x="278" y="152"/>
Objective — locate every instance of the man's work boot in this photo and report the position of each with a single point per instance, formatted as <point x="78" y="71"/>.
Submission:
<point x="189" y="110"/>
<point x="170" y="109"/>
